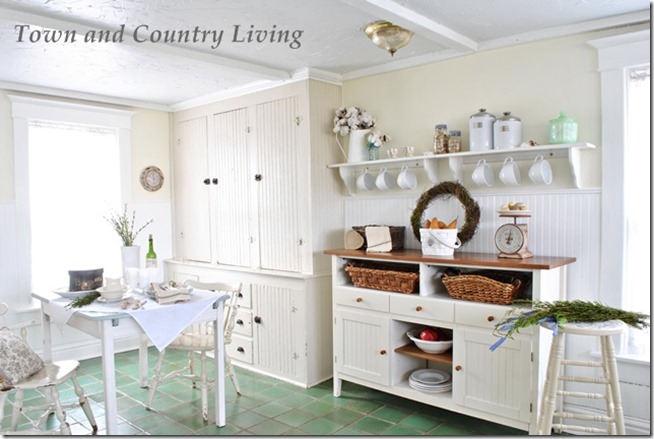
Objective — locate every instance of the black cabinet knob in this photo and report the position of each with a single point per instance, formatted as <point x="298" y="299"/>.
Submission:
<point x="214" y="181"/>
<point x="206" y="181"/>
<point x="239" y="322"/>
<point x="240" y="349"/>
<point x="257" y="319"/>
<point x="257" y="177"/>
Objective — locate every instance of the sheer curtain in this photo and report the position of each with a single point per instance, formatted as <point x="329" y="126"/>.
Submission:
<point x="74" y="180"/>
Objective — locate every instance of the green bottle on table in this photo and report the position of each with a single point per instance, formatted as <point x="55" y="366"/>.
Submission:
<point x="151" y="256"/>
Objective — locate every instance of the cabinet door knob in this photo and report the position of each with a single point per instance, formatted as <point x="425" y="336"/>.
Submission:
<point x="257" y="319"/>
<point x="458" y="368"/>
<point x="239" y="322"/>
<point x="359" y="299"/>
<point x="206" y="181"/>
<point x="214" y="181"/>
<point x="418" y="308"/>
<point x="383" y="352"/>
<point x="490" y="318"/>
<point x="240" y="349"/>
<point x="257" y="177"/>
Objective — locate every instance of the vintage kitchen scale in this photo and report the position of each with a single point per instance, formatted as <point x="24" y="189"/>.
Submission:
<point x="512" y="239"/>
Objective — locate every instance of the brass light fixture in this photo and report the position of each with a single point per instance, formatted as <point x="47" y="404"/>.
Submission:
<point x="388" y="36"/>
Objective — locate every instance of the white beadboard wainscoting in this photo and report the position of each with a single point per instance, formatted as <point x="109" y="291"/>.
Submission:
<point x="563" y="223"/>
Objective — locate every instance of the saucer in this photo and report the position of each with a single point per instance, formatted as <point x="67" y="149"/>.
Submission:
<point x="105" y="290"/>
<point x="124" y="297"/>
<point x="66" y="294"/>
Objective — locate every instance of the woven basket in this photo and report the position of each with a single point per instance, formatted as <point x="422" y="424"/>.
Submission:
<point x="397" y="236"/>
<point x="477" y="288"/>
<point x="386" y="277"/>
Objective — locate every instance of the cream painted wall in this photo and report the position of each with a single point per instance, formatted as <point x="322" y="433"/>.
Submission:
<point x="534" y="81"/>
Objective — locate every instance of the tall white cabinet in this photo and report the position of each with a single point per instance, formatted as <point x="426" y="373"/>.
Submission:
<point x="255" y="202"/>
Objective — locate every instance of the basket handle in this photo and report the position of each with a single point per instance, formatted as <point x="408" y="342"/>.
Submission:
<point x="456" y="245"/>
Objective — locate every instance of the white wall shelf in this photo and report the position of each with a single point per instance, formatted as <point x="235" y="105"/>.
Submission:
<point x="571" y="151"/>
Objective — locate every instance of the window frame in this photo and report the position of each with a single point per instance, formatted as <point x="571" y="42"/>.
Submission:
<point x="26" y="108"/>
<point x="616" y="55"/>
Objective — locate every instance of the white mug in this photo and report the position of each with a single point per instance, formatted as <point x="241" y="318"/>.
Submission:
<point x="407" y="178"/>
<point x="385" y="180"/>
<point x="483" y="174"/>
<point x="540" y="171"/>
<point x="510" y="173"/>
<point x="366" y="181"/>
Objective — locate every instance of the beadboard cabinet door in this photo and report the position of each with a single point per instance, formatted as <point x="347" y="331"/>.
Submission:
<point x="192" y="193"/>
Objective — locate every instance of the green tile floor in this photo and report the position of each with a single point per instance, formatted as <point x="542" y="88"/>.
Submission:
<point x="267" y="407"/>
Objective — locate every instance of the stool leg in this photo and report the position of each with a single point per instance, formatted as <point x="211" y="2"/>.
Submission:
<point x="614" y="400"/>
<point x="548" y="401"/>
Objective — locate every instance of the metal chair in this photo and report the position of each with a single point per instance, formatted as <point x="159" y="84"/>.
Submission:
<point x="44" y="380"/>
<point x="199" y="338"/>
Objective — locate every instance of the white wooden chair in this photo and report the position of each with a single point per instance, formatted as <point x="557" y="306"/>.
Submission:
<point x="44" y="378"/>
<point x="199" y="338"/>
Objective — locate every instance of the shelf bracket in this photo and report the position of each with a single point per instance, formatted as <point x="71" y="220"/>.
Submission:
<point x="574" y="158"/>
<point x="456" y="166"/>
<point x="431" y="168"/>
<point x="348" y="176"/>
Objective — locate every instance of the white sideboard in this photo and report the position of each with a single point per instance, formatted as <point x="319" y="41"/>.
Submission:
<point x="371" y="347"/>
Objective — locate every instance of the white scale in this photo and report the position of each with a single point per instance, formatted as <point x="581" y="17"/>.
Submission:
<point x="512" y="239"/>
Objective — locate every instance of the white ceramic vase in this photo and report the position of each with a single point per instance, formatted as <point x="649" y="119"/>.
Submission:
<point x="131" y="257"/>
<point x="357" y="150"/>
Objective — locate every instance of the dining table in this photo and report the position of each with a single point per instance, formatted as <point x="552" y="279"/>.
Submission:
<point x="140" y="316"/>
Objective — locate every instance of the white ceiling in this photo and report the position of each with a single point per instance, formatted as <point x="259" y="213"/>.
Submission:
<point x="332" y="44"/>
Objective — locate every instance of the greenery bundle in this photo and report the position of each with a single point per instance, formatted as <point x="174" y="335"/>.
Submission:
<point x="556" y="314"/>
<point x="124" y="226"/>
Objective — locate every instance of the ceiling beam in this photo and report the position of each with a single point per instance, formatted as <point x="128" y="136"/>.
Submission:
<point x="419" y="24"/>
<point x="260" y="71"/>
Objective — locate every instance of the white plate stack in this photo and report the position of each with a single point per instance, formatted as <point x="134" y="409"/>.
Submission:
<point x="431" y="381"/>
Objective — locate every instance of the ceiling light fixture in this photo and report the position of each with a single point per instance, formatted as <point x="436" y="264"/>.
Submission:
<point x="388" y="36"/>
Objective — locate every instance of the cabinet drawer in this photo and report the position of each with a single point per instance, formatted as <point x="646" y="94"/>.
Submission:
<point x="368" y="300"/>
<point x="416" y="306"/>
<point x="246" y="297"/>
<point x="243" y="324"/>
<point x="240" y="349"/>
<point x="475" y="314"/>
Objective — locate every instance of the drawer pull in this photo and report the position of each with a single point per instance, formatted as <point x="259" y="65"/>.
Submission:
<point x="359" y="299"/>
<point x="458" y="368"/>
<point x="240" y="349"/>
<point x="383" y="352"/>
<point x="257" y="319"/>
<point x="239" y="322"/>
<point x="418" y="308"/>
<point x="490" y="318"/>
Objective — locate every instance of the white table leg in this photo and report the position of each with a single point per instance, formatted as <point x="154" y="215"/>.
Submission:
<point x="109" y="374"/>
<point x="143" y="360"/>
<point x="219" y="357"/>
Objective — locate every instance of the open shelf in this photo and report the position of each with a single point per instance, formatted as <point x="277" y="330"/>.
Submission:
<point x="413" y="351"/>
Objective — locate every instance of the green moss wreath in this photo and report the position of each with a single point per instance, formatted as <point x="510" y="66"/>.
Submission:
<point x="448" y="189"/>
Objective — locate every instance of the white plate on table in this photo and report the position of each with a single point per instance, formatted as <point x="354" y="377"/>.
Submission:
<point x="430" y="377"/>
<point x="124" y="297"/>
<point x="63" y="292"/>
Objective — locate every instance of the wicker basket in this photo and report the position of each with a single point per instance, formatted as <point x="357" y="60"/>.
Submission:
<point x="387" y="277"/>
<point x="478" y="288"/>
<point x="397" y="235"/>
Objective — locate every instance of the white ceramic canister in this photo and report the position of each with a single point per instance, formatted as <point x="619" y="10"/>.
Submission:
<point x="481" y="131"/>
<point x="507" y="132"/>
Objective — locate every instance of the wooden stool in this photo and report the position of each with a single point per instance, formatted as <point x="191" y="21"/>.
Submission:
<point x="614" y="415"/>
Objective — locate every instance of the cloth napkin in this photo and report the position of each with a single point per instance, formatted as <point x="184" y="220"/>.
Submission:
<point x="161" y="323"/>
<point x="378" y="239"/>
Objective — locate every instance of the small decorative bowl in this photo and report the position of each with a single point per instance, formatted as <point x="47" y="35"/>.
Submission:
<point x="430" y="347"/>
<point x="113" y="294"/>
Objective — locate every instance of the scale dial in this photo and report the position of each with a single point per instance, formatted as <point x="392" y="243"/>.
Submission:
<point x="510" y="239"/>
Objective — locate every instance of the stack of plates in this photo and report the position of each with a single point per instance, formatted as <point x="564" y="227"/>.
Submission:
<point x="431" y="381"/>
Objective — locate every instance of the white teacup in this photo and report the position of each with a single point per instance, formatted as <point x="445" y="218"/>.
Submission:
<point x="407" y="178"/>
<point x="113" y="283"/>
<point x="366" y="181"/>
<point x="540" y="171"/>
<point x="510" y="173"/>
<point x="385" y="180"/>
<point x="483" y="174"/>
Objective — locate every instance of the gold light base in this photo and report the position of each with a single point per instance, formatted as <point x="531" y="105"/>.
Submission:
<point x="388" y="36"/>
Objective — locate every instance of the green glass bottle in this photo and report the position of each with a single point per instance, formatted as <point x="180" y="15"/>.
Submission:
<point x="150" y="256"/>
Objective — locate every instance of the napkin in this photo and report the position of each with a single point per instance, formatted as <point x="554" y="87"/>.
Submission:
<point x="378" y="239"/>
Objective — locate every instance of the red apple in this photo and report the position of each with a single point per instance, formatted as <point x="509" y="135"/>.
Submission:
<point x="429" y="334"/>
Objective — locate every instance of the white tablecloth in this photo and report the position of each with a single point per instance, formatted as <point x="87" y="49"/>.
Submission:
<point x="161" y="323"/>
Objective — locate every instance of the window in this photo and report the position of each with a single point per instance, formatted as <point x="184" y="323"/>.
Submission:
<point x="71" y="170"/>
<point x="624" y="63"/>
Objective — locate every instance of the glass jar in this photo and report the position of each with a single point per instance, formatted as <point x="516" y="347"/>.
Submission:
<point x="454" y="141"/>
<point x="440" y="139"/>
<point x="562" y="130"/>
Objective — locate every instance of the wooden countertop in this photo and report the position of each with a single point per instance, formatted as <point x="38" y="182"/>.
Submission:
<point x="460" y="258"/>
